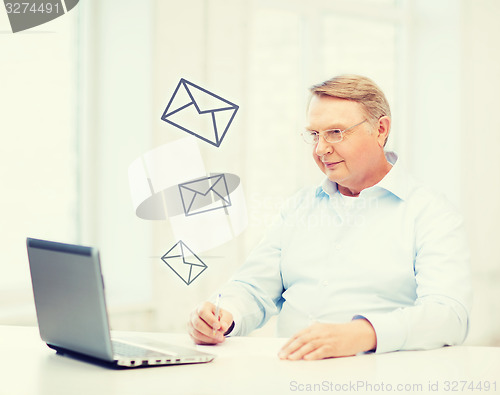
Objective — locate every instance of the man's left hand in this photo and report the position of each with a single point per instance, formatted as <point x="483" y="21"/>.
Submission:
<point x="320" y="341"/>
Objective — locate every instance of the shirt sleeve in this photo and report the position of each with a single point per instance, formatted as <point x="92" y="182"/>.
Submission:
<point x="254" y="293"/>
<point x="440" y="314"/>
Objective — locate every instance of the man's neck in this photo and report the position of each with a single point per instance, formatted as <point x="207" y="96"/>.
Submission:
<point x="376" y="177"/>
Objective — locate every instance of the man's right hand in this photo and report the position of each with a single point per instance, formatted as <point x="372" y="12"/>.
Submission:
<point x="203" y="321"/>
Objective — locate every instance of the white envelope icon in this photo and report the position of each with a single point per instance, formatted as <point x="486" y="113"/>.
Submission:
<point x="184" y="262"/>
<point x="205" y="194"/>
<point x="199" y="112"/>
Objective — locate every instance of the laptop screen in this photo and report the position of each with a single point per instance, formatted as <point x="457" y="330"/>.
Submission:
<point x="69" y="297"/>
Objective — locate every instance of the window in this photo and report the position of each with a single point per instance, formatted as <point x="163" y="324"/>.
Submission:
<point x="38" y="151"/>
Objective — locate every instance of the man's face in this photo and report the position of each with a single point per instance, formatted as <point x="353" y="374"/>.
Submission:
<point x="355" y="161"/>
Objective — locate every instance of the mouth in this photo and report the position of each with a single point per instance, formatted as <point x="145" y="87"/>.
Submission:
<point x="331" y="165"/>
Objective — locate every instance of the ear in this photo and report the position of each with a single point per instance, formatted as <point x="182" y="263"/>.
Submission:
<point x="384" y="126"/>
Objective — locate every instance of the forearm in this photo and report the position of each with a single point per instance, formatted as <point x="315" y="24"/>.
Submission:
<point x="431" y="323"/>
<point x="251" y="307"/>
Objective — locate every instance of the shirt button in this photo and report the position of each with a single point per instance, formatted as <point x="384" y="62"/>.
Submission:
<point x="337" y="247"/>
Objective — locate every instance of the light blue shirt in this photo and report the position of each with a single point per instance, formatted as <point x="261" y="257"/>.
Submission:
<point x="396" y="255"/>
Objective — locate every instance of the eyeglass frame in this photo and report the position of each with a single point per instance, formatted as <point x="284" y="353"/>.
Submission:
<point x="330" y="130"/>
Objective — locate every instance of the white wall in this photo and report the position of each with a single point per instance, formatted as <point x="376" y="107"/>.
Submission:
<point x="38" y="194"/>
<point x="434" y="95"/>
<point x="481" y="161"/>
<point x="115" y="128"/>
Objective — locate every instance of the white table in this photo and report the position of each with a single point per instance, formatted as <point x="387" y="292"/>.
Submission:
<point x="246" y="365"/>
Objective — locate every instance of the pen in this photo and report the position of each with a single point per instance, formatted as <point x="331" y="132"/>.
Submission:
<point x="217" y="310"/>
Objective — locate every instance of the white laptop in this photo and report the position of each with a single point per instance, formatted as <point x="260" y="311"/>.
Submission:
<point x="71" y="309"/>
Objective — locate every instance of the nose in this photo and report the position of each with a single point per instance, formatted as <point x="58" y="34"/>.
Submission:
<point x="323" y="147"/>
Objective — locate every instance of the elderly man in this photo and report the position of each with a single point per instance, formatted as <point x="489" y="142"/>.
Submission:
<point x="371" y="260"/>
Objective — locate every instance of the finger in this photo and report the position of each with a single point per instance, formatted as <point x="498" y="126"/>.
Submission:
<point x="317" y="353"/>
<point x="287" y="348"/>
<point x="306" y="349"/>
<point x="207" y="313"/>
<point x="200" y="325"/>
<point x="303" y="336"/>
<point x="291" y="340"/>
<point x="326" y="352"/>
<point x="201" y="338"/>
<point x="226" y="319"/>
<point x="287" y="344"/>
<point x="197" y="337"/>
<point x="299" y="334"/>
<point x="293" y="346"/>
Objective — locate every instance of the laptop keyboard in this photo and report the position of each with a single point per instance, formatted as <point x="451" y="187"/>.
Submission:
<point x="130" y="351"/>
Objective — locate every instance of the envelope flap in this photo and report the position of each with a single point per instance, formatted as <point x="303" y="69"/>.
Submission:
<point x="190" y="261"/>
<point x="190" y="257"/>
<point x="179" y="101"/>
<point x="202" y="186"/>
<point x="222" y="121"/>
<point x="206" y="101"/>
<point x="219" y="188"/>
<point x="174" y="252"/>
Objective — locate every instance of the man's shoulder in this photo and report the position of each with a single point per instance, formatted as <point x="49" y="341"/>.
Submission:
<point x="423" y="197"/>
<point x="419" y="190"/>
<point x="409" y="187"/>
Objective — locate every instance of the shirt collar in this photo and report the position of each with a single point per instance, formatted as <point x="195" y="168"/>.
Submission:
<point x="394" y="181"/>
<point x="327" y="188"/>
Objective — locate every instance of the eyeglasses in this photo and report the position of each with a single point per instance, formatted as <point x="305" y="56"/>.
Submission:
<point x="330" y="136"/>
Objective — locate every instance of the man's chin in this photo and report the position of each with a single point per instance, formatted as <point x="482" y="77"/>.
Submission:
<point x="334" y="176"/>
